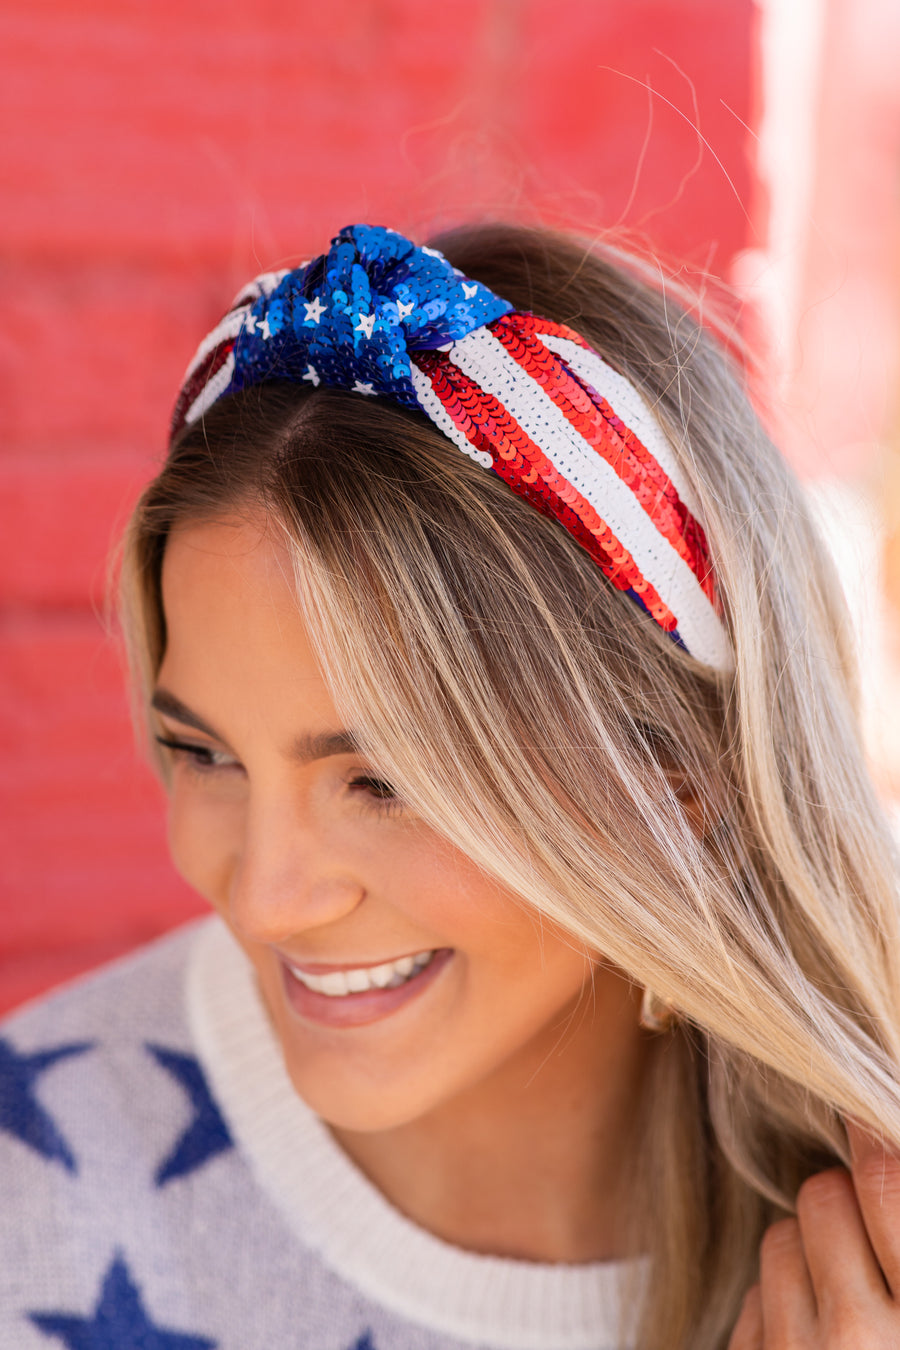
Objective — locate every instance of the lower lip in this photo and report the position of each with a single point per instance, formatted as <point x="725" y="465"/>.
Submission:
<point x="356" y="1010"/>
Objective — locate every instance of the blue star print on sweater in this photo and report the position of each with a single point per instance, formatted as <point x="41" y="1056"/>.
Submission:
<point x="21" y="1114"/>
<point x="119" y="1321"/>
<point x="207" y="1133"/>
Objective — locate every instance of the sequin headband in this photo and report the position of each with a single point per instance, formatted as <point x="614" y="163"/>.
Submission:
<point x="524" y="397"/>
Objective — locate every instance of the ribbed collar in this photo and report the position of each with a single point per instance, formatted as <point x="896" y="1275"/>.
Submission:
<point x="335" y="1210"/>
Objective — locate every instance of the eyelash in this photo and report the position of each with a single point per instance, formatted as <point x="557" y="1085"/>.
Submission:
<point x="384" y="799"/>
<point x="202" y="759"/>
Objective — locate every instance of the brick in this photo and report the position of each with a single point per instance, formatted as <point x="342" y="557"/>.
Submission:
<point x="92" y="354"/>
<point x="63" y="513"/>
<point x="83" y="837"/>
<point x="203" y="132"/>
<point x="685" y="197"/>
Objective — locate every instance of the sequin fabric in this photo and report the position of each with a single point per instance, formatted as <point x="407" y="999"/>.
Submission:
<point x="524" y="397"/>
<point x="351" y="317"/>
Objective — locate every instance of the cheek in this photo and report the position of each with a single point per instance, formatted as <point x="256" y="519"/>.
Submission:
<point x="204" y="841"/>
<point x="444" y="891"/>
<point x="488" y="923"/>
<point x="523" y="967"/>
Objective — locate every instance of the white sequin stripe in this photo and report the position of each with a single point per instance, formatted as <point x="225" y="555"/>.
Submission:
<point x="264" y="284"/>
<point x="232" y="323"/>
<point x="487" y="362"/>
<point x="701" y="630"/>
<point x="432" y="406"/>
<point x="483" y="358"/>
<point x="627" y="403"/>
<point x="212" y="390"/>
<point x="226" y="328"/>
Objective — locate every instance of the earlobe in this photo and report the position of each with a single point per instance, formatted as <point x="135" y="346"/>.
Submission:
<point x="655" y="1014"/>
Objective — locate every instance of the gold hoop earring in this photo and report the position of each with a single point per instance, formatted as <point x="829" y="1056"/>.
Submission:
<point x="656" y="1015"/>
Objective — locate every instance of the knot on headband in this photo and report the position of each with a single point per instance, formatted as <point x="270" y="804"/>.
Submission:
<point x="348" y="319"/>
<point x="524" y="397"/>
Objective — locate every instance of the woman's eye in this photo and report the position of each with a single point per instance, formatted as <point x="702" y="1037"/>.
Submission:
<point x="201" y="758"/>
<point x="377" y="786"/>
<point x="382" y="791"/>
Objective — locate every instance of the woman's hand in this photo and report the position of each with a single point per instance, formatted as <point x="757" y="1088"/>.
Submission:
<point x="830" y="1278"/>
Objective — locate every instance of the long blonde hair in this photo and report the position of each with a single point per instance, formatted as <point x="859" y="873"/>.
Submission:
<point x="717" y="838"/>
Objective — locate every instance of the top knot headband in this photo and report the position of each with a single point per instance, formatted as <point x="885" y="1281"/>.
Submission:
<point x="522" y="396"/>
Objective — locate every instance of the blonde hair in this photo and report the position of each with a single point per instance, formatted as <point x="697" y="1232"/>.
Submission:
<point x="716" y="838"/>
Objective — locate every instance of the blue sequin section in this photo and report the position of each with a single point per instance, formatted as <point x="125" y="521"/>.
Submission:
<point x="350" y="318"/>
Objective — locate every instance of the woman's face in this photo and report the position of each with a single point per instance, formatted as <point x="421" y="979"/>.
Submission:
<point x="397" y="975"/>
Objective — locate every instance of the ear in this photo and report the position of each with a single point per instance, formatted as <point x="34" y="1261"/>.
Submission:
<point x="696" y="810"/>
<point x="682" y="784"/>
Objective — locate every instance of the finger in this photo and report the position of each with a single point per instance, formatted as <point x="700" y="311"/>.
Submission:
<point x="748" y="1329"/>
<point x="787" y="1295"/>
<point x="842" y="1264"/>
<point x="876" y="1181"/>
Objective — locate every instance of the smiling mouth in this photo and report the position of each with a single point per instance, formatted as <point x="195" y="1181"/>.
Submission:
<point x="364" y="979"/>
<point x="355" y="997"/>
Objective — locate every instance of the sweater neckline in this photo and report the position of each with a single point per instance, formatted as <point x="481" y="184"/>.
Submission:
<point x="335" y="1210"/>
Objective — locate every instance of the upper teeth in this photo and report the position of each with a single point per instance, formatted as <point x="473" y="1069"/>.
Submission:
<point x="337" y="983"/>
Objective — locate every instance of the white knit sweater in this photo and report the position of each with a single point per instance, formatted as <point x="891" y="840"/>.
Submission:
<point x="163" y="1187"/>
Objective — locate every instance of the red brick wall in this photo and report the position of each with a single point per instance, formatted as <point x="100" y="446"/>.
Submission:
<point x="152" y="157"/>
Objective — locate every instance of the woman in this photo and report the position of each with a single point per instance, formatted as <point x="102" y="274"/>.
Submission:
<point x="529" y="781"/>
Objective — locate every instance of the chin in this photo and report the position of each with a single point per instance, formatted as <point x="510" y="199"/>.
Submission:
<point x="361" y="1108"/>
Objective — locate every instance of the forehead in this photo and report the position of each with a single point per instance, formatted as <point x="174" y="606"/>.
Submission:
<point x="236" y="640"/>
<point x="225" y="551"/>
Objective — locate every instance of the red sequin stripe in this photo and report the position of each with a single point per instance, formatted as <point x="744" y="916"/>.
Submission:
<point x="487" y="425"/>
<point x="599" y="424"/>
<point x="601" y="427"/>
<point x="693" y="531"/>
<point x="532" y="323"/>
<point x="198" y="382"/>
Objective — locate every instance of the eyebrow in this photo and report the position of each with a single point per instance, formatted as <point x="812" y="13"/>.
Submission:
<point x="170" y="706"/>
<point x="306" y="748"/>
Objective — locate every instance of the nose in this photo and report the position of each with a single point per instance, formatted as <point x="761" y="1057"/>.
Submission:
<point x="289" y="874"/>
